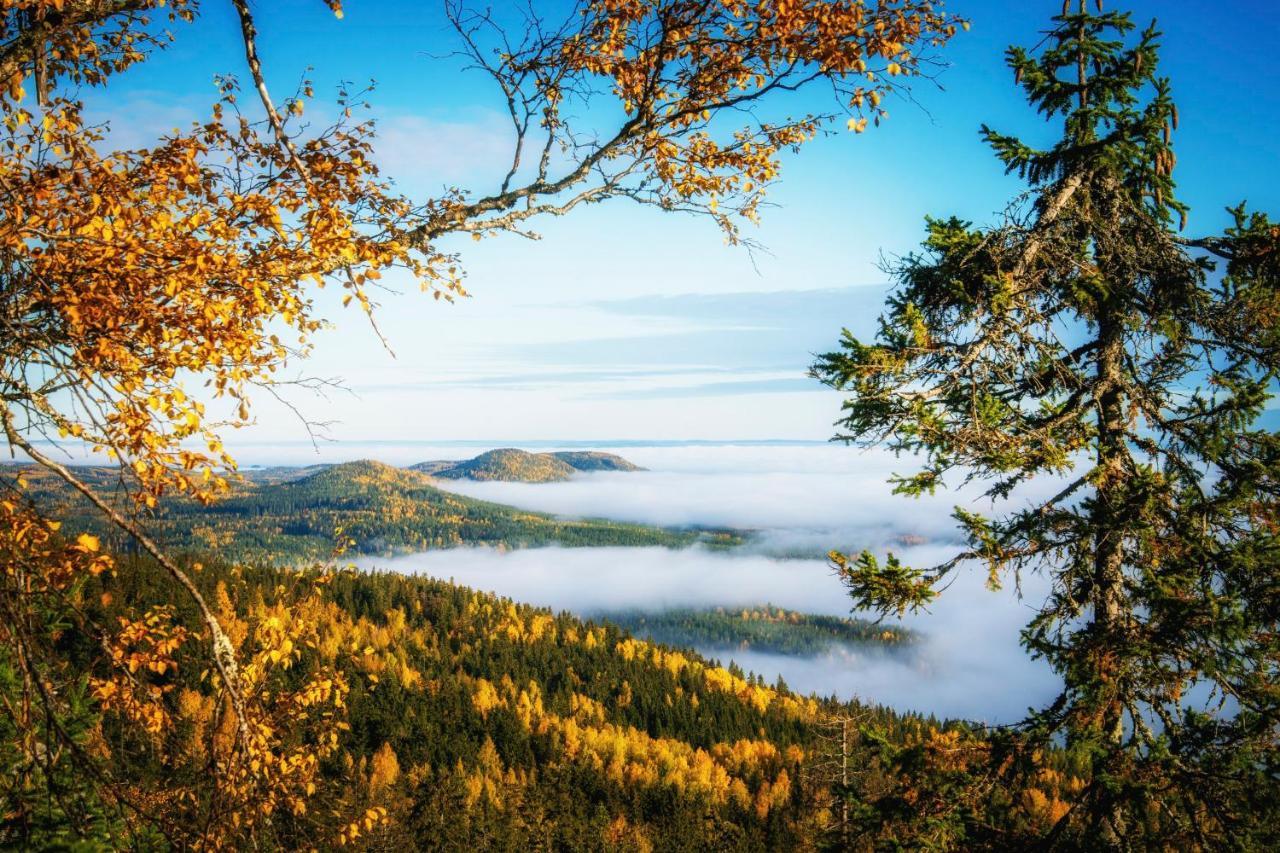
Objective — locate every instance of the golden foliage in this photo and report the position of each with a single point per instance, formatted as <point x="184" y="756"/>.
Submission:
<point x="290" y="730"/>
<point x="621" y="835"/>
<point x="145" y="645"/>
<point x="384" y="770"/>
<point x="372" y="818"/>
<point x="37" y="559"/>
<point x="672" y="69"/>
<point x="718" y="678"/>
<point x="627" y="756"/>
<point x="136" y="268"/>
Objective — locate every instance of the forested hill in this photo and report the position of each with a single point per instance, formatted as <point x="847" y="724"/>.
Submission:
<point x="508" y="464"/>
<point x="594" y="460"/>
<point x="373" y="507"/>
<point x="478" y="723"/>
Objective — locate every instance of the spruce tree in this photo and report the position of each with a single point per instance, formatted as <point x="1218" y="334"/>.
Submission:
<point x="1084" y="340"/>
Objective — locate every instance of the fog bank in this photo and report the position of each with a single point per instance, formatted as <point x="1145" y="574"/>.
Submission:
<point x="968" y="663"/>
<point x="797" y="498"/>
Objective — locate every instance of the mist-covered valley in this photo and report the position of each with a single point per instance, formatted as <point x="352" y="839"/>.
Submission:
<point x="799" y="501"/>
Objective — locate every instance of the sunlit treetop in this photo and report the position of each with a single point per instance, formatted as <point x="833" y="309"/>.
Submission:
<point x="696" y="94"/>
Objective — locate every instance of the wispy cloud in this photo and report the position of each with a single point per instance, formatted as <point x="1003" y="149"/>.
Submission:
<point x="633" y="352"/>
<point x="715" y="389"/>
<point x="423" y="153"/>
<point x="140" y="118"/>
<point x="747" y="329"/>
<point x="541" y="378"/>
<point x="774" y="309"/>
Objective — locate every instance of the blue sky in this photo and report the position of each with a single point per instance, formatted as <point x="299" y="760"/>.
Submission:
<point x="623" y="323"/>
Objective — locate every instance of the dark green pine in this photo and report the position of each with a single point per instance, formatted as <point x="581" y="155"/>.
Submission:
<point x="1084" y="340"/>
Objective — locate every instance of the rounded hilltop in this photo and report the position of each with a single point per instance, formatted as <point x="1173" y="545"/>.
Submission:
<point x="509" y="464"/>
<point x="594" y="460"/>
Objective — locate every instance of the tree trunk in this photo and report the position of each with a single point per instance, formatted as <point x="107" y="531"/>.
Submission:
<point x="844" y="782"/>
<point x="1105" y="717"/>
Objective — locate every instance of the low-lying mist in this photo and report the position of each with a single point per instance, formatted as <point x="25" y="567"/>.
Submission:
<point x="967" y="664"/>
<point x="801" y="501"/>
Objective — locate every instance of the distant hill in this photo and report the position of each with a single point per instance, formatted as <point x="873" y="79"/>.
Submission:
<point x="267" y="474"/>
<point x="382" y="509"/>
<point x="511" y="465"/>
<point x="594" y="460"/>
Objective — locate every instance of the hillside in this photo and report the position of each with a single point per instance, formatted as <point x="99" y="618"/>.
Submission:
<point x="509" y="464"/>
<point x="480" y="724"/>
<point x="470" y="722"/>
<point x="594" y="460"/>
<point x="379" y="509"/>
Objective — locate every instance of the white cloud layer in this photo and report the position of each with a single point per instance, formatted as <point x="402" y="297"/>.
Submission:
<point x="817" y="496"/>
<point x="969" y="664"/>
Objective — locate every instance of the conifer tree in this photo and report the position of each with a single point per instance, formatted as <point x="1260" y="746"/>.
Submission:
<point x="1084" y="341"/>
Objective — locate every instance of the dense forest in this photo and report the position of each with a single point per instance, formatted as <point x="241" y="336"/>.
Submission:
<point x="372" y="507"/>
<point x="473" y="722"/>
<point x="764" y="628"/>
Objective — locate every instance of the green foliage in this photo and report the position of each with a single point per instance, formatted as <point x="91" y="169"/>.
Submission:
<point x="1085" y="341"/>
<point x="49" y="804"/>
<point x="892" y="587"/>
